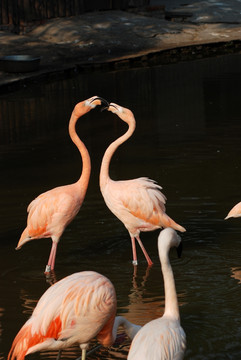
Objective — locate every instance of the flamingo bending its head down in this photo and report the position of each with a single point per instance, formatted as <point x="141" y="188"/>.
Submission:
<point x="162" y="338"/>
<point x="53" y="210"/>
<point x="138" y="203"/>
<point x="74" y="310"/>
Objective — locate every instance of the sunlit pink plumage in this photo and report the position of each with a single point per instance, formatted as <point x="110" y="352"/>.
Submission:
<point x="52" y="211"/>
<point x="235" y="211"/>
<point x="138" y="203"/>
<point x="74" y="310"/>
<point x="162" y="338"/>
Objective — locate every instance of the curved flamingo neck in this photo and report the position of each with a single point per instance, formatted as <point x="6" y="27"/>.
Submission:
<point x="86" y="163"/>
<point x="130" y="329"/>
<point x="104" y="170"/>
<point x="171" y="301"/>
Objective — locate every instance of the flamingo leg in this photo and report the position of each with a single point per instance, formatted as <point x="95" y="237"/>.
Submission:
<point x="52" y="256"/>
<point x="83" y="356"/>
<point x="133" y="242"/>
<point x="148" y="259"/>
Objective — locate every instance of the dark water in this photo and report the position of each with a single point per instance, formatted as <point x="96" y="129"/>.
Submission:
<point x="187" y="139"/>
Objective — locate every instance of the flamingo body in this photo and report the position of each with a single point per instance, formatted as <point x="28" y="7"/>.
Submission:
<point x="235" y="211"/>
<point x="138" y="203"/>
<point x="74" y="310"/>
<point x="162" y="338"/>
<point x="52" y="211"/>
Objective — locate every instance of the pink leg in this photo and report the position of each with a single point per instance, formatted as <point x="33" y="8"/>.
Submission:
<point x="144" y="251"/>
<point x="133" y="242"/>
<point x="52" y="257"/>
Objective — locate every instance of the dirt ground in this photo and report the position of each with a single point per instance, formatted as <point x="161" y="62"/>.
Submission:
<point x="117" y="37"/>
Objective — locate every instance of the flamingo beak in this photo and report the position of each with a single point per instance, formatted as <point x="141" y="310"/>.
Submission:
<point x="104" y="102"/>
<point x="179" y="250"/>
<point x="115" y="108"/>
<point x="111" y="104"/>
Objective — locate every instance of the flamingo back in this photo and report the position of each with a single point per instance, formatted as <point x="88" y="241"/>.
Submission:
<point x="160" y="339"/>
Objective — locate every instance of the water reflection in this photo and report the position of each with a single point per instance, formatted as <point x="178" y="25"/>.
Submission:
<point x="187" y="139"/>
<point x="27" y="303"/>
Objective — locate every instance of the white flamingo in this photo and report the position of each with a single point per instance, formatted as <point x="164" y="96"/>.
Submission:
<point x="162" y="338"/>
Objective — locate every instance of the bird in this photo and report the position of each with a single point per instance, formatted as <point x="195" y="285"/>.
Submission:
<point x="51" y="212"/>
<point x="162" y="338"/>
<point x="74" y="310"/>
<point x="138" y="203"/>
<point x="235" y="211"/>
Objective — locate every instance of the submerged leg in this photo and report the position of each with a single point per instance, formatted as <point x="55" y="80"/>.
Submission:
<point x="59" y="355"/>
<point x="52" y="257"/>
<point x="148" y="259"/>
<point x="133" y="242"/>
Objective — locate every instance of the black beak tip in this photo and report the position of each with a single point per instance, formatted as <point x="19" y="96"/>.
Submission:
<point x="104" y="103"/>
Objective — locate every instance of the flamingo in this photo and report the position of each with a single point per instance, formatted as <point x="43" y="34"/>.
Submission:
<point x="138" y="203"/>
<point x="234" y="212"/>
<point x="74" y="310"/>
<point x="162" y="338"/>
<point x="53" y="210"/>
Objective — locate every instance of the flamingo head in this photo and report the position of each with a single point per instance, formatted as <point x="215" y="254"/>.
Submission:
<point x="123" y="113"/>
<point x="96" y="100"/>
<point x="167" y="239"/>
<point x="85" y="106"/>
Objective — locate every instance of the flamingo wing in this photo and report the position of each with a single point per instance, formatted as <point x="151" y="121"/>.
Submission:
<point x="49" y="214"/>
<point x="139" y="204"/>
<point x="137" y="201"/>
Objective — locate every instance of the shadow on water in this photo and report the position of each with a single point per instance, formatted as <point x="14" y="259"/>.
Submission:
<point x="187" y="139"/>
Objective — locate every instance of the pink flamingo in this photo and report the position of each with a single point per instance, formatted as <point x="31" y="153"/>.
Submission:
<point x="138" y="203"/>
<point x="74" y="310"/>
<point x="162" y="338"/>
<point x="52" y="211"/>
<point x="234" y="212"/>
